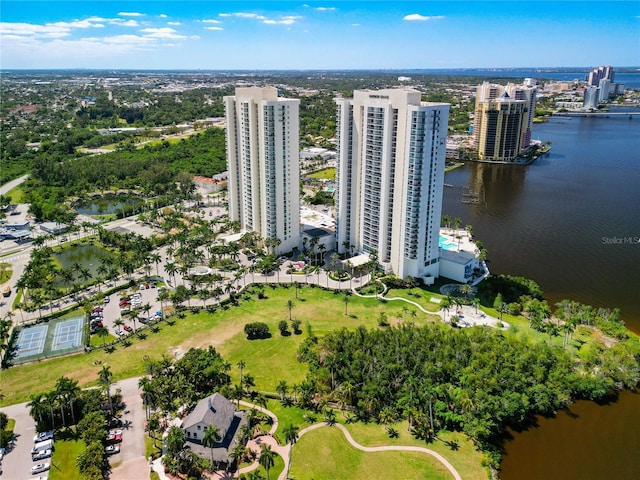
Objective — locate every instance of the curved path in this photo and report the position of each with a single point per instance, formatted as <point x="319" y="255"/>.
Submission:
<point x="386" y="448"/>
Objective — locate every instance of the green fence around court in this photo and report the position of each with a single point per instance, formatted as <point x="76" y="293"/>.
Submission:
<point x="63" y="335"/>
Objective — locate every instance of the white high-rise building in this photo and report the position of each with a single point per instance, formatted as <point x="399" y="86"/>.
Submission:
<point x="263" y="163"/>
<point x="390" y="175"/>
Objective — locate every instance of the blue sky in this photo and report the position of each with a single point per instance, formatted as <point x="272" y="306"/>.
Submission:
<point x="374" y="34"/>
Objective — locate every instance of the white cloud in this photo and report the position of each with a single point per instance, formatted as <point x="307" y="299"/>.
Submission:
<point x="87" y="23"/>
<point x="286" y="20"/>
<point x="210" y="21"/>
<point x="131" y="14"/>
<point x="162" y="15"/>
<point x="32" y="30"/>
<point x="283" y="20"/>
<point x="127" y="23"/>
<point x="325" y="9"/>
<point x="416" y="17"/>
<point x="214" y="28"/>
<point x="164" y="32"/>
<point x="175" y="24"/>
<point x="355" y="24"/>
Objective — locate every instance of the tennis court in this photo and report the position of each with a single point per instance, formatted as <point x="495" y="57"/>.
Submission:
<point x="31" y="341"/>
<point x="68" y="334"/>
<point x="58" y="336"/>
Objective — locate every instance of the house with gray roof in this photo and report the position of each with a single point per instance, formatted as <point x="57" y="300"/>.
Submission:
<point x="213" y="410"/>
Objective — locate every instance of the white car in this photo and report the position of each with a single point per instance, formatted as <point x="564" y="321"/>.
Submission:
<point x="43" y="436"/>
<point x="42" y="455"/>
<point x="39" y="468"/>
<point x="111" y="449"/>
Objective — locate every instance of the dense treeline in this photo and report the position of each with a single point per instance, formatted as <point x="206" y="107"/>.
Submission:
<point x="67" y="405"/>
<point x="194" y="376"/>
<point x="478" y="380"/>
<point x="152" y="169"/>
<point x="155" y="109"/>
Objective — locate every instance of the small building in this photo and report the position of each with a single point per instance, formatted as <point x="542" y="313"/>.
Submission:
<point x="458" y="266"/>
<point x="213" y="410"/>
<point x="325" y="237"/>
<point x="53" y="228"/>
<point x="18" y="226"/>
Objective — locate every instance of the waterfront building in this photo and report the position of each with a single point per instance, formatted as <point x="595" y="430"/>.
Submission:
<point x="263" y="162"/>
<point x="597" y="74"/>
<point x="390" y="177"/>
<point x="590" y="98"/>
<point x="503" y="120"/>
<point x="604" y="87"/>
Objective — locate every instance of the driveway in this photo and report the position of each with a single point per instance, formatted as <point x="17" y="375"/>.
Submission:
<point x="17" y="462"/>
<point x="130" y="463"/>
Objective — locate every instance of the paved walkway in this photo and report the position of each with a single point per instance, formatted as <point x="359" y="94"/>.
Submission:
<point x="387" y="448"/>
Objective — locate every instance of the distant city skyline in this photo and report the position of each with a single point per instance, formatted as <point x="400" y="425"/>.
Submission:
<point x="237" y="35"/>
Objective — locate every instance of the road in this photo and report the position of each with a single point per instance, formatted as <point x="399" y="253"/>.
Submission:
<point x="130" y="463"/>
<point x="7" y="187"/>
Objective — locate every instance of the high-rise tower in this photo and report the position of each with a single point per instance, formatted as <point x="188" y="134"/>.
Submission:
<point x="262" y="158"/>
<point x="503" y="120"/>
<point x="390" y="175"/>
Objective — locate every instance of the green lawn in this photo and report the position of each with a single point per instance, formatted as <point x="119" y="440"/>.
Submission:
<point x="222" y="329"/>
<point x="16" y="194"/>
<point x="326" y="454"/>
<point x="455" y="447"/>
<point x="6" y="270"/>
<point x="63" y="462"/>
<point x="329" y="173"/>
<point x="418" y="295"/>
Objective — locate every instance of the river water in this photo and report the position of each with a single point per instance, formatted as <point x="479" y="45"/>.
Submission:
<point x="571" y="222"/>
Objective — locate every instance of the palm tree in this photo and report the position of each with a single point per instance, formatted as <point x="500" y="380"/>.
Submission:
<point x="241" y="366"/>
<point x="37" y="408"/>
<point x="67" y="391"/>
<point x="291" y="436"/>
<point x="466" y="290"/>
<point x="103" y="333"/>
<point x="345" y="299"/>
<point x="446" y="304"/>
<point x="267" y="458"/>
<point x="476" y="302"/>
<point x="175" y="440"/>
<point x="290" y="306"/>
<point x="282" y="389"/>
<point x="105" y="377"/>
<point x="118" y="322"/>
<point x="210" y="438"/>
<point x="238" y="452"/>
<point x="155" y="258"/>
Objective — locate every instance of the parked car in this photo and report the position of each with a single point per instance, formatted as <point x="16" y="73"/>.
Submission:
<point x="43" y="436"/>
<point x="127" y="328"/>
<point x="39" y="468"/>
<point x="114" y="422"/>
<point x="124" y="302"/>
<point x="119" y="332"/>
<point x="97" y="309"/>
<point x="114" y="437"/>
<point x="111" y="449"/>
<point x="42" y="455"/>
<point x="106" y="300"/>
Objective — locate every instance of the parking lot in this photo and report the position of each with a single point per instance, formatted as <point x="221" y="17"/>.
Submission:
<point x="112" y="310"/>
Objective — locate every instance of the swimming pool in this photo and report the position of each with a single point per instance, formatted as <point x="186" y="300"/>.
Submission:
<point x="445" y="244"/>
